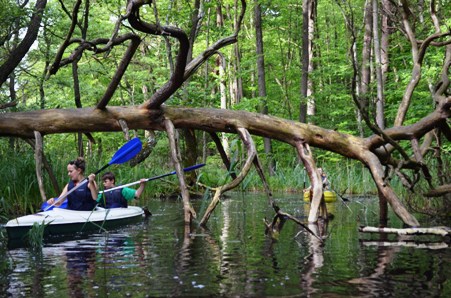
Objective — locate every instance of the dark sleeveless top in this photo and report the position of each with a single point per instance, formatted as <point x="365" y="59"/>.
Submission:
<point x="81" y="198"/>
<point x="113" y="199"/>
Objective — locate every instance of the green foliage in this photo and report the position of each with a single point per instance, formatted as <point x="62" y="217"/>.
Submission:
<point x="149" y="69"/>
<point x="35" y="237"/>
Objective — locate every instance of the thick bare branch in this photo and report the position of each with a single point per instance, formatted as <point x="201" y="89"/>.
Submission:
<point x="439" y="191"/>
<point x="38" y="160"/>
<point x="222" y="153"/>
<point x="8" y="66"/>
<point x="59" y="55"/>
<point x="306" y="156"/>
<point x="251" y="154"/>
<point x="386" y="191"/>
<point x="120" y="71"/>
<point x="8" y="105"/>
<point x="442" y="231"/>
<point x="176" y="79"/>
<point x="213" y="49"/>
<point x="175" y="155"/>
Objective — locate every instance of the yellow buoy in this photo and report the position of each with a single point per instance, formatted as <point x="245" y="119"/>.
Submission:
<point x="329" y="196"/>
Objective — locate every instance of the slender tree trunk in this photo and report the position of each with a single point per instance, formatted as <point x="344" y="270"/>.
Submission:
<point x="190" y="151"/>
<point x="38" y="161"/>
<point x="223" y="95"/>
<point x="78" y="104"/>
<point x="311" y="104"/>
<point x="238" y="82"/>
<point x="306" y="4"/>
<point x="380" y="101"/>
<point x="221" y="63"/>
<point x="262" y="79"/>
<point x="366" y="59"/>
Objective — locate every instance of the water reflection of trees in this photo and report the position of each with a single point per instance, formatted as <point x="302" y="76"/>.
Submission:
<point x="80" y="266"/>
<point x="424" y="277"/>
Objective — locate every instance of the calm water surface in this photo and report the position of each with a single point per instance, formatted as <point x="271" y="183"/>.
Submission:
<point x="233" y="258"/>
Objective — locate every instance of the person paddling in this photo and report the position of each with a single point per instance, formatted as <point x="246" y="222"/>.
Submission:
<point x="118" y="198"/>
<point x="84" y="197"/>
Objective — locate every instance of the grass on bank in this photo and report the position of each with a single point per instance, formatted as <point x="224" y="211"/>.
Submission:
<point x="19" y="192"/>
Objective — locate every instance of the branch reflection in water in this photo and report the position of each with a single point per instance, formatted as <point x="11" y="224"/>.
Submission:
<point x="232" y="256"/>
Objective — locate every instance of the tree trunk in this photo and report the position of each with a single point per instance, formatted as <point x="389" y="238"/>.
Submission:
<point x="38" y="160"/>
<point x="311" y="103"/>
<point x="262" y="80"/>
<point x="380" y="101"/>
<point x="306" y="5"/>
<point x="366" y="61"/>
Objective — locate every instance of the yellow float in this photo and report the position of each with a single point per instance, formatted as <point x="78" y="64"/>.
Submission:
<point x="329" y="196"/>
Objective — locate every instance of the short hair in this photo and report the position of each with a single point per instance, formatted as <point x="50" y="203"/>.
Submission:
<point x="109" y="176"/>
<point x="79" y="163"/>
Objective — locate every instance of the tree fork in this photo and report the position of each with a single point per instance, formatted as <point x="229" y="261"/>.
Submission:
<point x="251" y="154"/>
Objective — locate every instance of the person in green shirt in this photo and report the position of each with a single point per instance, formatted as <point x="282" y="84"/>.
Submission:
<point x="117" y="198"/>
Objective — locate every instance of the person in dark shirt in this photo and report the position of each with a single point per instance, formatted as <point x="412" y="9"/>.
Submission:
<point x="84" y="197"/>
<point x="118" y="198"/>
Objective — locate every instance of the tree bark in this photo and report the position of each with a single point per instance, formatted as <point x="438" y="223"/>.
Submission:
<point x="189" y="213"/>
<point x="306" y="5"/>
<point x="366" y="59"/>
<point x="380" y="101"/>
<point x="38" y="160"/>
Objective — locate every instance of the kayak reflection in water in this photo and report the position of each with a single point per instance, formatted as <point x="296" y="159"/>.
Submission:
<point x="80" y="265"/>
<point x="118" y="198"/>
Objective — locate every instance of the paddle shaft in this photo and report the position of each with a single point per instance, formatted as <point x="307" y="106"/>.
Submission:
<point x="153" y="178"/>
<point x="63" y="197"/>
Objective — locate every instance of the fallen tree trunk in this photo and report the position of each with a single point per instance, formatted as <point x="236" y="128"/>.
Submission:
<point x="427" y="245"/>
<point x="24" y="124"/>
<point x="442" y="231"/>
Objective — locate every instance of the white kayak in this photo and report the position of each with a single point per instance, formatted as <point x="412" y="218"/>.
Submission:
<point x="60" y="222"/>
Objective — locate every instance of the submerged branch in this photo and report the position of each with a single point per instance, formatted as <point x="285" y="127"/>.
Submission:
<point x="441" y="231"/>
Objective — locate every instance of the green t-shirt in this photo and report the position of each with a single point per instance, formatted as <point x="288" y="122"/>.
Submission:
<point x="127" y="193"/>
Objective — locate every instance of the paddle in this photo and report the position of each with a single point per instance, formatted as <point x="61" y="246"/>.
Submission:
<point x="154" y="178"/>
<point x="125" y="153"/>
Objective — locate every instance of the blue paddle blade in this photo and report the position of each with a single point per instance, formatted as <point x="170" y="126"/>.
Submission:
<point x="127" y="151"/>
<point x="46" y="206"/>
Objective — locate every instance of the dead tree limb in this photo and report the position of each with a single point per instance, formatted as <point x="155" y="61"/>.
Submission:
<point x="23" y="124"/>
<point x="120" y="71"/>
<point x="260" y="172"/>
<point x="439" y="191"/>
<point x="306" y="156"/>
<point x="222" y="153"/>
<point x="67" y="41"/>
<point x="189" y="212"/>
<point x="441" y="231"/>
<point x="251" y="153"/>
<point x="177" y="77"/>
<point x="47" y="167"/>
<point x="38" y="160"/>
<point x="16" y="56"/>
<point x="412" y="244"/>
<point x="385" y="189"/>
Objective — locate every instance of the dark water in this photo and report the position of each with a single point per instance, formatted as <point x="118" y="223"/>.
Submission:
<point x="234" y="258"/>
